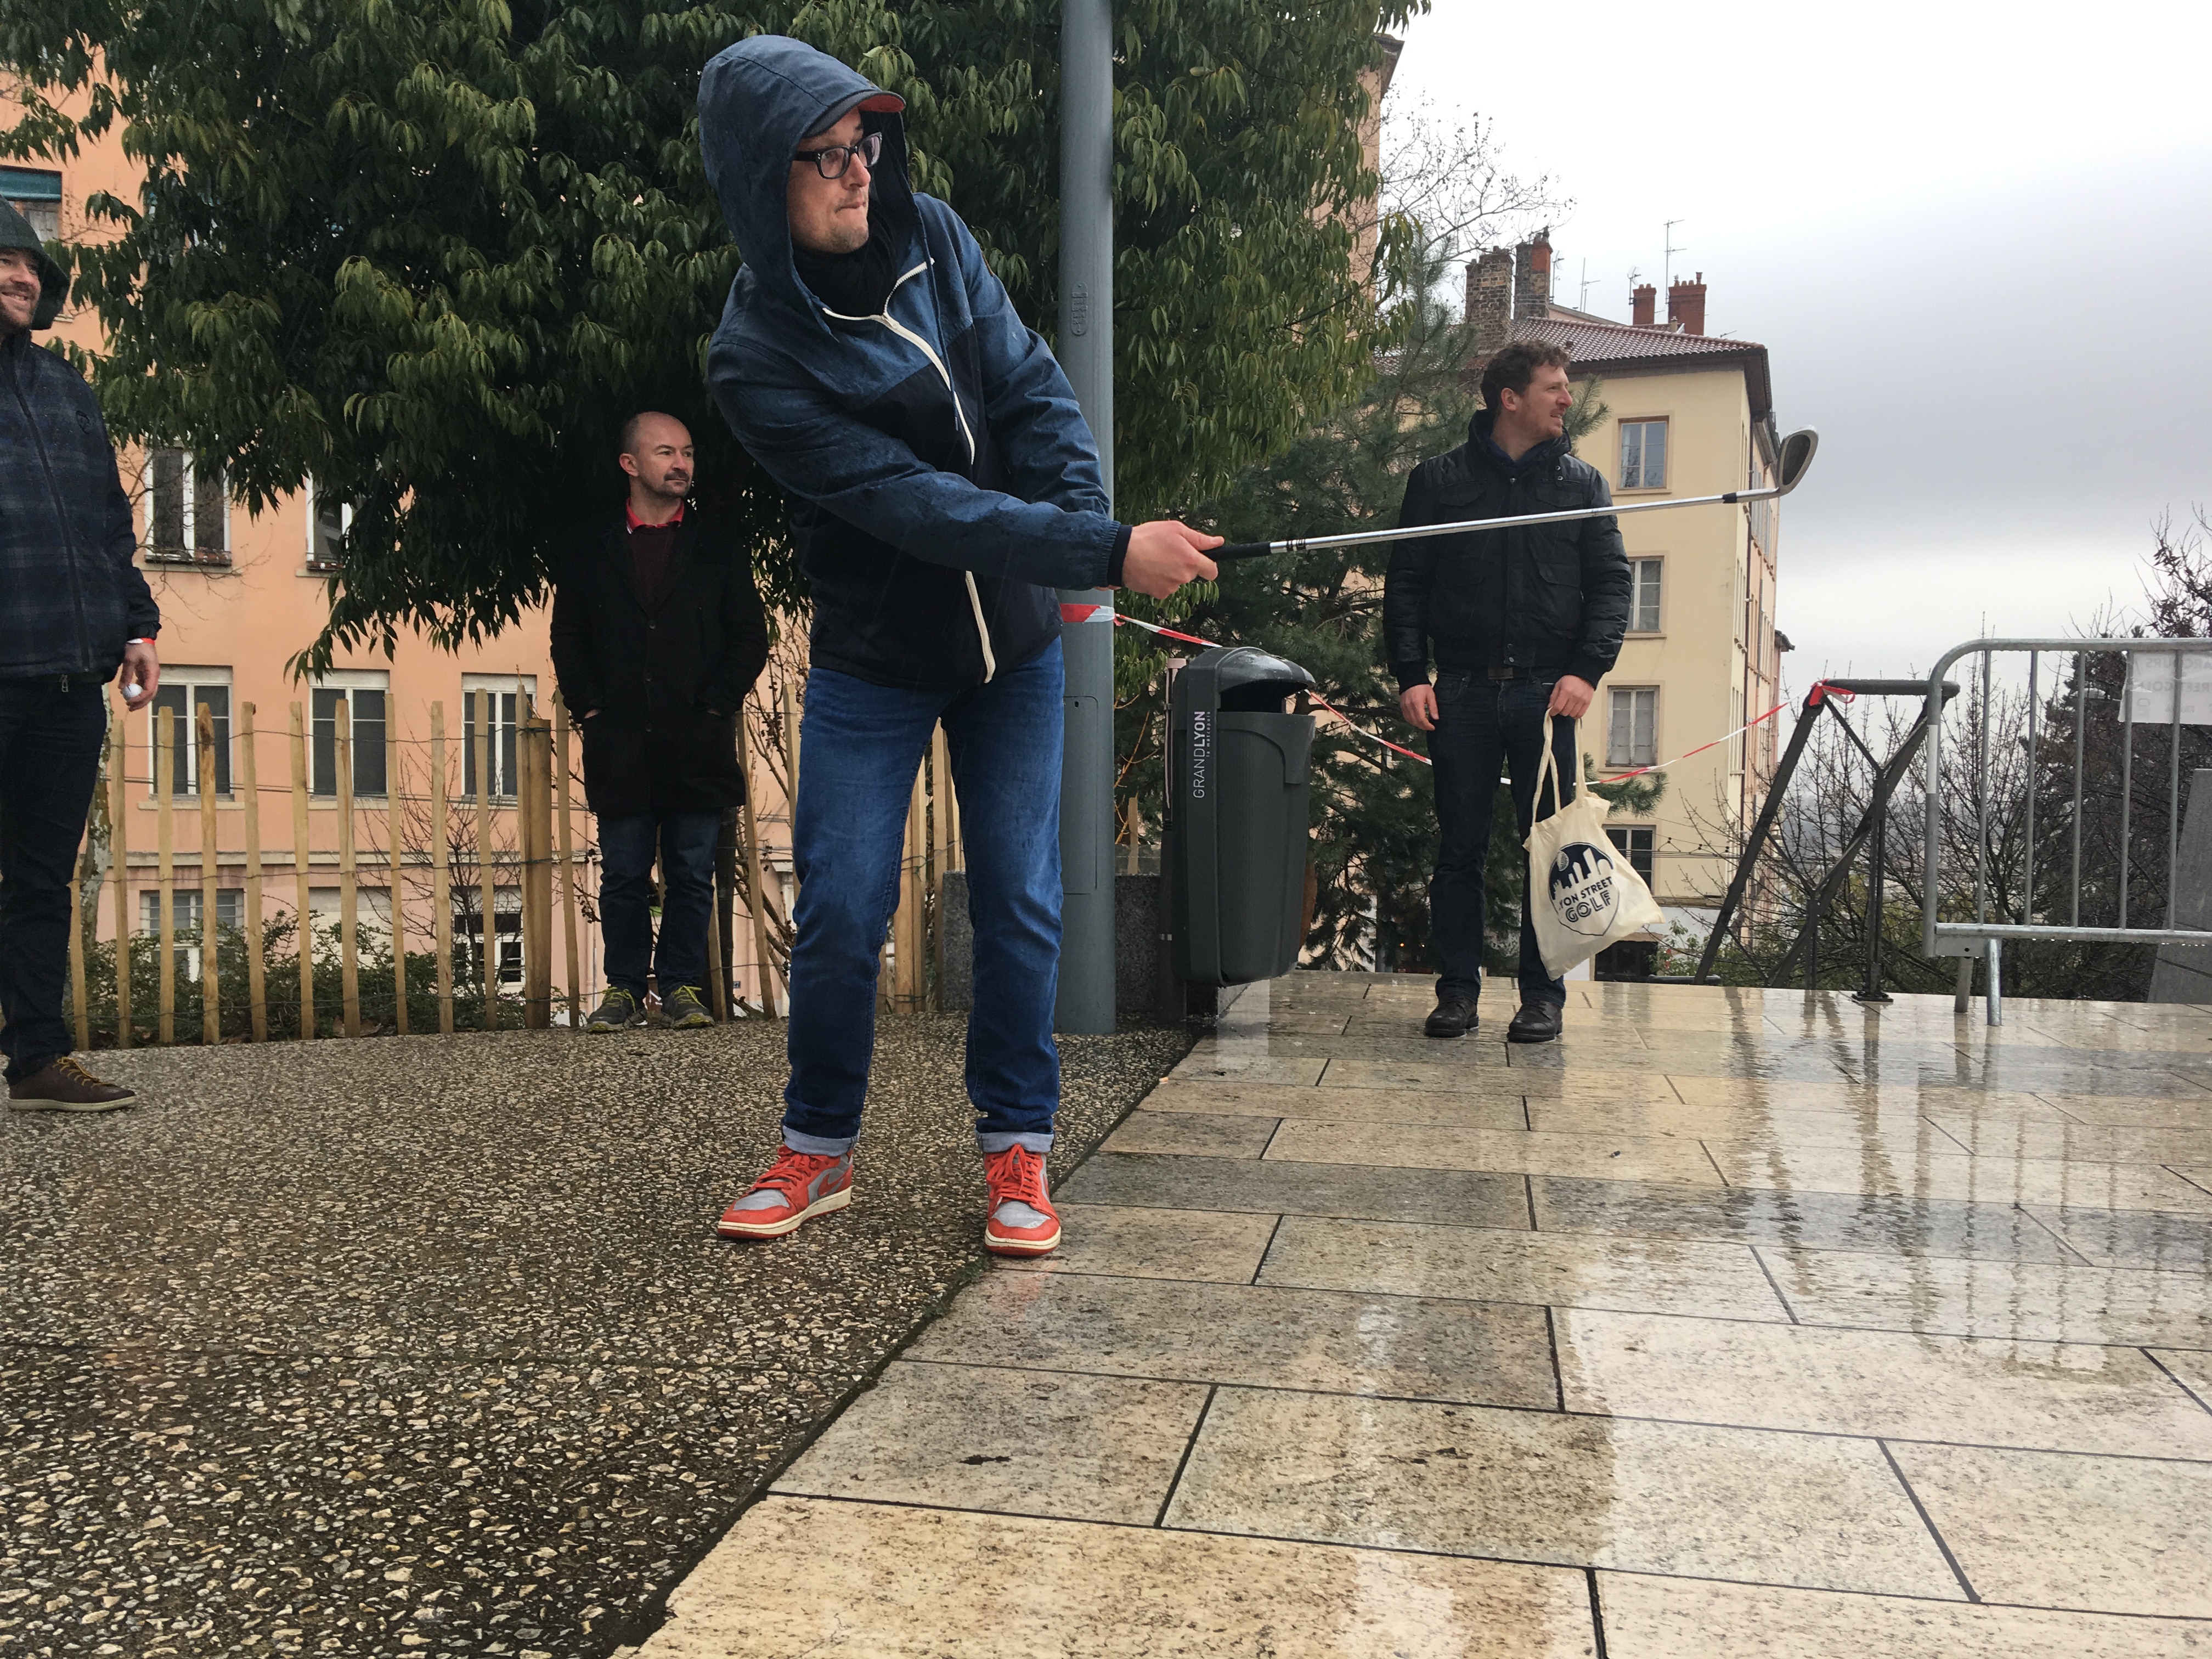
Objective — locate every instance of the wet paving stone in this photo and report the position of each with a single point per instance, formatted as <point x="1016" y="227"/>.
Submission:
<point x="1456" y="1197"/>
<point x="1836" y="1221"/>
<point x="426" y="1346"/>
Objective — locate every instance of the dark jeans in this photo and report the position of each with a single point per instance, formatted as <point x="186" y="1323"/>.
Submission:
<point x="859" y="745"/>
<point x="1485" y="727"/>
<point x="49" y="742"/>
<point x="686" y="841"/>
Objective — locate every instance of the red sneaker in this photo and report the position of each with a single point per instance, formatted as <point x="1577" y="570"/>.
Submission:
<point x="1022" y="1219"/>
<point x="797" y="1186"/>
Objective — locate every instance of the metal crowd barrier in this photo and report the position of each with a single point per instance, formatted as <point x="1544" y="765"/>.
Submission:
<point x="2183" y="697"/>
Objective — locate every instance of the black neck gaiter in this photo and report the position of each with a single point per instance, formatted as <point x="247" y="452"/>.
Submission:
<point x="855" y="284"/>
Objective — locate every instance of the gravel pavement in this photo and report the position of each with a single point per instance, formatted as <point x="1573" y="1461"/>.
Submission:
<point x="425" y="1344"/>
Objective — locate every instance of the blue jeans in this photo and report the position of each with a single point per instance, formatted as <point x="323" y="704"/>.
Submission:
<point x="50" y="744"/>
<point x="1485" y="727"/>
<point x="859" y="745"/>
<point x="686" y="841"/>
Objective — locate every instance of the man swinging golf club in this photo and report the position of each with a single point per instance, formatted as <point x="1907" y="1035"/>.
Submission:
<point x="942" y="484"/>
<point x="1525" y="620"/>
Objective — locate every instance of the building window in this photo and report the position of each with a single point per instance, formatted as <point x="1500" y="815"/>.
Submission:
<point x="507" y="932"/>
<point x="36" y="193"/>
<point x="188" y="509"/>
<point x="329" y="517"/>
<point x="503" y="694"/>
<point x="1631" y="729"/>
<point x="184" y="692"/>
<point x="1634" y="842"/>
<point x="1643" y="454"/>
<point x="362" y="697"/>
<point x="184" y="911"/>
<point x="1643" y="596"/>
<point x="372" y="916"/>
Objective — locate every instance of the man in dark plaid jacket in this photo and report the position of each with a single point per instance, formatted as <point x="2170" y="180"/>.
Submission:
<point x="73" y="609"/>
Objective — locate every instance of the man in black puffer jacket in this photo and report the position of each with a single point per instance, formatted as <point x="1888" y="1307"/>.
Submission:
<point x="73" y="609"/>
<point x="1524" y="621"/>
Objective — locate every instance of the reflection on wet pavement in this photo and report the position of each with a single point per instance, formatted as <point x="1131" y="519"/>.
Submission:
<point x="1734" y="1323"/>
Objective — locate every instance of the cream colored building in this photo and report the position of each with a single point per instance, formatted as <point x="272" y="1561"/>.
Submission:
<point x="1687" y="414"/>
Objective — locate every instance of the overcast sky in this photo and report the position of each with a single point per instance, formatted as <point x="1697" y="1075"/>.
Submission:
<point x="1975" y="239"/>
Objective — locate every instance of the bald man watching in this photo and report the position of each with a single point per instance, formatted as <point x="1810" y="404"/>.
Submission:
<point x="657" y="634"/>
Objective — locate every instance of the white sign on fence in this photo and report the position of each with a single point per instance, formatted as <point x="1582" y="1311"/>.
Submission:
<point x="2150" y="688"/>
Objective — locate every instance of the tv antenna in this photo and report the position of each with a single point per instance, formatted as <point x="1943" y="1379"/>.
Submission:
<point x="1582" y="299"/>
<point x="1672" y="250"/>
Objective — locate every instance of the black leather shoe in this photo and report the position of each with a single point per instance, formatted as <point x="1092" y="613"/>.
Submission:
<point x="1454" y="1018"/>
<point x="1537" y="1021"/>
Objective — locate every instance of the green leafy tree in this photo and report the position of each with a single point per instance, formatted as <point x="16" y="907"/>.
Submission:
<point x="429" y="253"/>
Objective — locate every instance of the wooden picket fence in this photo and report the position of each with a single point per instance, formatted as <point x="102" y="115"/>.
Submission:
<point x="550" y="855"/>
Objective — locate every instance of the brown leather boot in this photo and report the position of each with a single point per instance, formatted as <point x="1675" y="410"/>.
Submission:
<point x="62" y="1085"/>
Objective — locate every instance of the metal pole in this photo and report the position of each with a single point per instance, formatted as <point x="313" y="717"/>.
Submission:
<point x="1812" y="950"/>
<point x="1931" y="846"/>
<point x="1982" y="804"/>
<point x="1993" y="991"/>
<point x="2173" y="799"/>
<point x="2027" y="881"/>
<point x="1085" y="349"/>
<point x="1877" y="852"/>
<point x="2081" y="733"/>
<point x="2127" y="772"/>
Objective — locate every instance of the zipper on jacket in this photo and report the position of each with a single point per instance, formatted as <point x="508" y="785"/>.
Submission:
<point x="61" y="514"/>
<point x="884" y="316"/>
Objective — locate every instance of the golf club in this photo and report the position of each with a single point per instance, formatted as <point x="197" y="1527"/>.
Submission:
<point x="1796" y="458"/>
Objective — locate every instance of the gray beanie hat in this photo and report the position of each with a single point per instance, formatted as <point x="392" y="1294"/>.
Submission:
<point x="53" y="281"/>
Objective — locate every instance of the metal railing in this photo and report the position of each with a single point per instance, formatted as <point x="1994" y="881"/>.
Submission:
<point x="1870" y="835"/>
<point x="2183" y="700"/>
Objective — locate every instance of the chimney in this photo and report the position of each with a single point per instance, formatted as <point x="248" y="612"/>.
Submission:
<point x="1642" y="302"/>
<point x="1532" y="276"/>
<point x="1490" y="299"/>
<point x="1686" y="305"/>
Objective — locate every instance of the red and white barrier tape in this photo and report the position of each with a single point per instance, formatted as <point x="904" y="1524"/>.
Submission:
<point x="1820" y="689"/>
<point x="1079" y="613"/>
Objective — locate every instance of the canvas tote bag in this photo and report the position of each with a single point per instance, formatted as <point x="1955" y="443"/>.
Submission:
<point x="1581" y="891"/>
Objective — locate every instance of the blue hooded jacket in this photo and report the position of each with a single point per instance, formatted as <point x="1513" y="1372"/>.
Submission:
<point x="943" y="480"/>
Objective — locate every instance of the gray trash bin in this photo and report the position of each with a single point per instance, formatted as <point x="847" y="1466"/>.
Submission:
<point x="1236" y="817"/>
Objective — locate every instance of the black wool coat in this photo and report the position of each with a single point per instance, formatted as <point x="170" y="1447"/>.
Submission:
<point x="666" y="682"/>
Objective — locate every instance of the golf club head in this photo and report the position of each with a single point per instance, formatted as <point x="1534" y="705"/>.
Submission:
<point x="1797" y="451"/>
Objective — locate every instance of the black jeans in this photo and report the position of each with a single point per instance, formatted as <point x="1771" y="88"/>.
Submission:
<point x="685" y="842"/>
<point x="50" y="740"/>
<point x="1485" y="727"/>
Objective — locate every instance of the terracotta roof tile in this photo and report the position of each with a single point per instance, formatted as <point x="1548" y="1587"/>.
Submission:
<point x="1614" y="342"/>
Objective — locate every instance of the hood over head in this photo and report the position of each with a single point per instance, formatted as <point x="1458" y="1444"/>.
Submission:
<point x="757" y="100"/>
<point x="53" y="281"/>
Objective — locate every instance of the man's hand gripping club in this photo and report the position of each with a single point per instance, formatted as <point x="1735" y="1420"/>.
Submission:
<point x="1163" y="555"/>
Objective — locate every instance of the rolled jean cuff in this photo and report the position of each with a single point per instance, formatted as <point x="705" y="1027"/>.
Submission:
<point x="999" y="1139"/>
<point x="819" y="1146"/>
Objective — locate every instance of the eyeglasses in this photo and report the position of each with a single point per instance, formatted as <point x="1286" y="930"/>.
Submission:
<point x="831" y="162"/>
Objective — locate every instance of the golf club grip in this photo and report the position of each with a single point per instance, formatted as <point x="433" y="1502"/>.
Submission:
<point x="1229" y="551"/>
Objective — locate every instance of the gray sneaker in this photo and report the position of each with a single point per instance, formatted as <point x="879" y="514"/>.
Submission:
<point x="685" y="1009"/>
<point x="619" y="1011"/>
